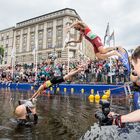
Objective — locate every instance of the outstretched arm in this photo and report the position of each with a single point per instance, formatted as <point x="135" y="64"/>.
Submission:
<point x="122" y="119"/>
<point x="73" y="72"/>
<point x="76" y="41"/>
<point x="131" y="117"/>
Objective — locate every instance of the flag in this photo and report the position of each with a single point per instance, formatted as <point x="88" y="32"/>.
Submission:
<point x="125" y="60"/>
<point x="111" y="37"/>
<point x="107" y="33"/>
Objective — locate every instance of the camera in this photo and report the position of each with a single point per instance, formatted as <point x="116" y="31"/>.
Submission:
<point x="102" y="115"/>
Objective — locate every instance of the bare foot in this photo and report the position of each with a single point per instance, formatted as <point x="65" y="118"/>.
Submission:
<point x="121" y="49"/>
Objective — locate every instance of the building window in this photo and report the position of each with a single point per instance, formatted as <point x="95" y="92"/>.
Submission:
<point x="72" y="53"/>
<point x="7" y="37"/>
<point x="40" y="44"/>
<point x="17" y="40"/>
<point x="49" y="37"/>
<point x="59" y="31"/>
<point x="6" y="53"/>
<point x="40" y="35"/>
<point x="25" y="31"/>
<point x="32" y="29"/>
<point x="5" y="62"/>
<point x="49" y="24"/>
<point x="41" y="27"/>
<point x="2" y="37"/>
<point x="49" y="33"/>
<point x="17" y="48"/>
<point x="59" y="34"/>
<point x="17" y="43"/>
<point x="59" y="42"/>
<point x="59" y="54"/>
<point x="24" y="39"/>
<point x="49" y="44"/>
<point x="24" y="42"/>
<point x="40" y="39"/>
<point x="18" y="33"/>
<point x="6" y="45"/>
<point x="7" y="41"/>
<point x="59" y="22"/>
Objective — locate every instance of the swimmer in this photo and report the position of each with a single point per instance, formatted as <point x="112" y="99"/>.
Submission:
<point x="25" y="113"/>
<point x="100" y="51"/>
<point x="57" y="80"/>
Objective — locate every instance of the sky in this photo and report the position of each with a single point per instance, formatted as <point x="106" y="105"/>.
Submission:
<point x="122" y="15"/>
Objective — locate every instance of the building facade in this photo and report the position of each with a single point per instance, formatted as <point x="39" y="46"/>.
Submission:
<point x="44" y="35"/>
<point x="6" y="41"/>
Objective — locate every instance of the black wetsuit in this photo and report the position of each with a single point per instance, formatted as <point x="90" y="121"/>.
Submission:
<point x="57" y="80"/>
<point x="31" y="119"/>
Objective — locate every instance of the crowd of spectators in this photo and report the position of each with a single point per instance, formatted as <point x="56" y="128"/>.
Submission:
<point x="95" y="72"/>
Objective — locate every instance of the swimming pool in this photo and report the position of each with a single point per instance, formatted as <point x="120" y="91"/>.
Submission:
<point x="62" y="116"/>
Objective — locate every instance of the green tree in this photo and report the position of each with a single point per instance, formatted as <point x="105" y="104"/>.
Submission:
<point x="1" y="54"/>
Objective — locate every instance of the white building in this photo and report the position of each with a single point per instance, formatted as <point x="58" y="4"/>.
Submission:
<point x="46" y="33"/>
<point x="6" y="41"/>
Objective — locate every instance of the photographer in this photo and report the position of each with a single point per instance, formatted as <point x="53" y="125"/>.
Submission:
<point x="135" y="115"/>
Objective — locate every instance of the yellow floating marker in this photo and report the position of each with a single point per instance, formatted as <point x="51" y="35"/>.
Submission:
<point x="97" y="97"/>
<point x="51" y="88"/>
<point x="97" y="101"/>
<point x="91" y="97"/>
<point x="91" y="100"/>
<point x="65" y="90"/>
<point x="82" y="90"/>
<point x="104" y="97"/>
<point x="92" y="91"/>
<point x="72" y="90"/>
<point x="107" y="93"/>
<point x="58" y="89"/>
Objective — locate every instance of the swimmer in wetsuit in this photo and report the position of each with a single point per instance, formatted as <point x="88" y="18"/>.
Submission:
<point x="100" y="51"/>
<point x="25" y="113"/>
<point x="56" y="80"/>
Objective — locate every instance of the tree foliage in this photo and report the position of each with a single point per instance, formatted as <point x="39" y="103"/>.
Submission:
<point x="1" y="51"/>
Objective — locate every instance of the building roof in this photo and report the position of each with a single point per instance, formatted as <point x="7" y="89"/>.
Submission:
<point x="45" y="15"/>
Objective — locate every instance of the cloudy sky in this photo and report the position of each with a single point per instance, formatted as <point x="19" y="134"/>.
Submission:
<point x="123" y="15"/>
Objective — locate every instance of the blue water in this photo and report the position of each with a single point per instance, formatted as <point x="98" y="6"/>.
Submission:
<point x="62" y="117"/>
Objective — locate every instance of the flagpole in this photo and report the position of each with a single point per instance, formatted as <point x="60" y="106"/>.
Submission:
<point x="12" y="68"/>
<point x="113" y="39"/>
<point x="107" y="34"/>
<point x="13" y="62"/>
<point x="68" y="51"/>
<point x="36" y="56"/>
